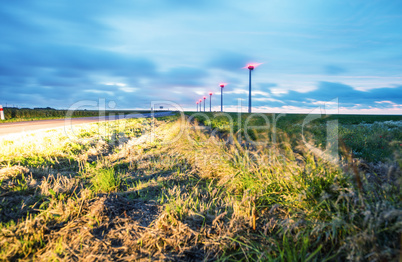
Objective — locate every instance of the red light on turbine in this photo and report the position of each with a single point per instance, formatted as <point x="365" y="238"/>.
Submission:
<point x="200" y="100"/>
<point x="222" y="85"/>
<point x="251" y="66"/>
<point x="205" y="97"/>
<point x="210" y="93"/>
<point x="197" y="102"/>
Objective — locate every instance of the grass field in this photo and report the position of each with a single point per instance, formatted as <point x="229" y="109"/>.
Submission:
<point x="204" y="188"/>
<point x="19" y="115"/>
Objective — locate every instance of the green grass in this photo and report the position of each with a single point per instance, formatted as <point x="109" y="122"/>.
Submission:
<point x="19" y="115"/>
<point x="118" y="195"/>
<point x="370" y="137"/>
<point x="106" y="181"/>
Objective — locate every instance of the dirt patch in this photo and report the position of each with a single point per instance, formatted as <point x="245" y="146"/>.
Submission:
<point x="108" y="229"/>
<point x="113" y="206"/>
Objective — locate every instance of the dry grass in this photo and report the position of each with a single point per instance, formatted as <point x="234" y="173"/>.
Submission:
<point x="132" y="196"/>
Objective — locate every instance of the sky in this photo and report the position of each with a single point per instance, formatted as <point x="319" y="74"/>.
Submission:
<point x="136" y="53"/>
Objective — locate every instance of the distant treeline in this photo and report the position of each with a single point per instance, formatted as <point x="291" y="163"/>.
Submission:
<point x="27" y="113"/>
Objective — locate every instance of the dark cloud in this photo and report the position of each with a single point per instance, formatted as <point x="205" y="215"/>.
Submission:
<point x="52" y="51"/>
<point x="232" y="99"/>
<point x="266" y="86"/>
<point x="30" y="22"/>
<point x="68" y="66"/>
<point x="326" y="91"/>
<point x="347" y="95"/>
<point x="230" y="61"/>
<point x="191" y="5"/>
<point x="13" y="25"/>
<point x="181" y="77"/>
<point x="334" y="70"/>
<point x="77" y="58"/>
<point x="183" y="74"/>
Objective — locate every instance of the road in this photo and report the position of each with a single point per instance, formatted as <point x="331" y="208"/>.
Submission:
<point x="25" y="127"/>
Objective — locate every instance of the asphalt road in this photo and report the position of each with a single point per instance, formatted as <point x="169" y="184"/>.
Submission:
<point x="16" y="128"/>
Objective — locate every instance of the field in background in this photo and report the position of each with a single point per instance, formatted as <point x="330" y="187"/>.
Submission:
<point x="192" y="191"/>
<point x="17" y="115"/>
<point x="372" y="138"/>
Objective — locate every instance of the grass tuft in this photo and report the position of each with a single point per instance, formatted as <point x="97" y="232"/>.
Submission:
<point x="106" y="181"/>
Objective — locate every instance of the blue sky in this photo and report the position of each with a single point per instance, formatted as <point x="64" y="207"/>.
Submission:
<point x="57" y="53"/>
